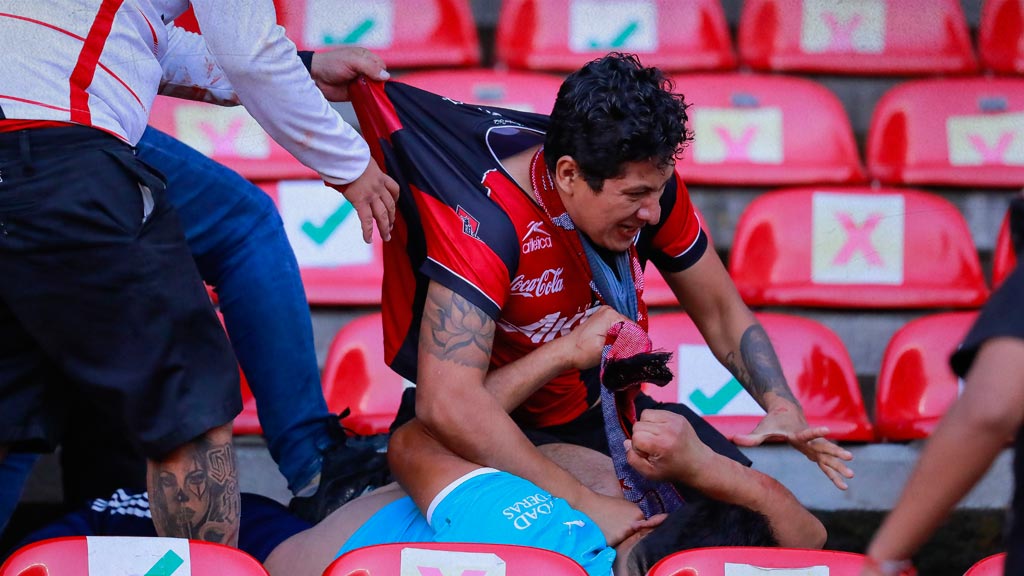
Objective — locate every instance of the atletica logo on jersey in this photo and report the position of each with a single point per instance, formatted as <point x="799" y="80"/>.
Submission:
<point x="550" y="282"/>
<point x="549" y="327"/>
<point x="524" y="512"/>
<point x="470" y="225"/>
<point x="536" y="238"/>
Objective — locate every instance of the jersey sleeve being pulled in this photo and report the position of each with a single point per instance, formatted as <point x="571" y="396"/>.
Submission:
<point x="471" y="247"/>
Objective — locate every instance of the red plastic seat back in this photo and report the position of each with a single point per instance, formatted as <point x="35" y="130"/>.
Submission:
<point x="453" y="558"/>
<point x="228" y="135"/>
<point x="114" y="556"/>
<point x="855" y="248"/>
<point x="337" y="267"/>
<point x="766" y="130"/>
<point x="1004" y="259"/>
<point x="1001" y="36"/>
<point x="868" y="37"/>
<point x="527" y="91"/>
<point x="990" y="566"/>
<point x="405" y="33"/>
<point x="563" y="35"/>
<point x="916" y="385"/>
<point x="356" y="377"/>
<point x="712" y="561"/>
<point x="954" y="131"/>
<point x="814" y="361"/>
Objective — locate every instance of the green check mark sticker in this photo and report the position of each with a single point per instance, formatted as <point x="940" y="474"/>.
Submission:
<point x="321" y="233"/>
<point x="354" y="36"/>
<point x="166" y="565"/>
<point x="714" y="404"/>
<point x="620" y="39"/>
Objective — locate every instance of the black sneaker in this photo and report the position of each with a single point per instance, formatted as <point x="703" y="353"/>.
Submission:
<point x="354" y="466"/>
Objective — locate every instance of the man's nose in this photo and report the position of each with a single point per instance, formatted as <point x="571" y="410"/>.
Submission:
<point x="650" y="210"/>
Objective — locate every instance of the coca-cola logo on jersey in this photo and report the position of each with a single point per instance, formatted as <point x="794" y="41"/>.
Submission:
<point x="550" y="282"/>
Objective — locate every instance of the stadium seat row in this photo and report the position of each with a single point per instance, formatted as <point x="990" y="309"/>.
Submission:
<point x="835" y="247"/>
<point x="82" y="556"/>
<point x="869" y="37"/>
<point x="750" y="129"/>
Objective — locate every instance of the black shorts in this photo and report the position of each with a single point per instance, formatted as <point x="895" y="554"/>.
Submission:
<point x="99" y="292"/>
<point x="1002" y="316"/>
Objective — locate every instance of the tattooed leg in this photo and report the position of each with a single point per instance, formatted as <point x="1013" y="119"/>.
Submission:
<point x="193" y="492"/>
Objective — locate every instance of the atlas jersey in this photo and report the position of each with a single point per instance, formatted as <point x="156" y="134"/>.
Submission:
<point x="100" y="63"/>
<point x="491" y="243"/>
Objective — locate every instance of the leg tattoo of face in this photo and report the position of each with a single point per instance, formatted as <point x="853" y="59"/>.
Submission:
<point x="197" y="495"/>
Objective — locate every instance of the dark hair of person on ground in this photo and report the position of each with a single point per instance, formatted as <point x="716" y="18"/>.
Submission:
<point x="613" y="111"/>
<point x="700" y="524"/>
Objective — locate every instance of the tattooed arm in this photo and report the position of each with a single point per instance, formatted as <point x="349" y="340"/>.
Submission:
<point x="193" y="492"/>
<point x="458" y="411"/>
<point x="732" y="332"/>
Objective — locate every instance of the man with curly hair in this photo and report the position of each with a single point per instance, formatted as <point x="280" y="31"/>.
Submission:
<point x="516" y="228"/>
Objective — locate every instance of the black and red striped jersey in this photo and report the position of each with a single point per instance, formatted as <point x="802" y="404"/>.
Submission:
<point x="466" y="224"/>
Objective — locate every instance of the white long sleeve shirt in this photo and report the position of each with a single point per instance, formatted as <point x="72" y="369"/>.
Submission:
<point x="100" y="63"/>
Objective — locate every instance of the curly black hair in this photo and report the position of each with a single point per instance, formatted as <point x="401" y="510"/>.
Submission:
<point x="613" y="111"/>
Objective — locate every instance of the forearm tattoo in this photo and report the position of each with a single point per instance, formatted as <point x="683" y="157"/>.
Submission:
<point x="195" y="495"/>
<point x="460" y="332"/>
<point x="759" y="372"/>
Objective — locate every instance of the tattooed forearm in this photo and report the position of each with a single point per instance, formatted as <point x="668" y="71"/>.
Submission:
<point x="759" y="371"/>
<point x="194" y="492"/>
<point x="458" y="330"/>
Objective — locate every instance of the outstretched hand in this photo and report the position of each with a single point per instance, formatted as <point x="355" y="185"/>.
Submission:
<point x="373" y="196"/>
<point x="788" y="425"/>
<point x="334" y="69"/>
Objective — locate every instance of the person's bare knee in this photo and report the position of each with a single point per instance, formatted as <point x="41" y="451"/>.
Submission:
<point x="193" y="491"/>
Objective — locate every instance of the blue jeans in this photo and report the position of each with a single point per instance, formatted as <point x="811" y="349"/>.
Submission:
<point x="238" y="242"/>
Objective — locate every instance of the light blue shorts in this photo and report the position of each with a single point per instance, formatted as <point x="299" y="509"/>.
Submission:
<point x="492" y="507"/>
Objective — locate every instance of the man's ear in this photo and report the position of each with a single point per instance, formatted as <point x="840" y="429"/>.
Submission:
<point x="567" y="172"/>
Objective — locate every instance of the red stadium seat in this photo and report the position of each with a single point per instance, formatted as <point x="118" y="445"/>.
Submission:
<point x="990" y="566"/>
<point x="855" y="248"/>
<point x="563" y="35"/>
<point x="656" y="290"/>
<point x="229" y="135"/>
<point x="713" y="562"/>
<point x="868" y="37"/>
<point x="814" y="361"/>
<point x="337" y="267"/>
<point x="1001" y="36"/>
<point x="96" y="555"/>
<point x="766" y="130"/>
<point x="405" y="33"/>
<point x="453" y="558"/>
<point x="527" y="91"/>
<point x="916" y="385"/>
<point x="356" y="377"/>
<point x="956" y="131"/>
<point x="1004" y="259"/>
<point x="248" y="420"/>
